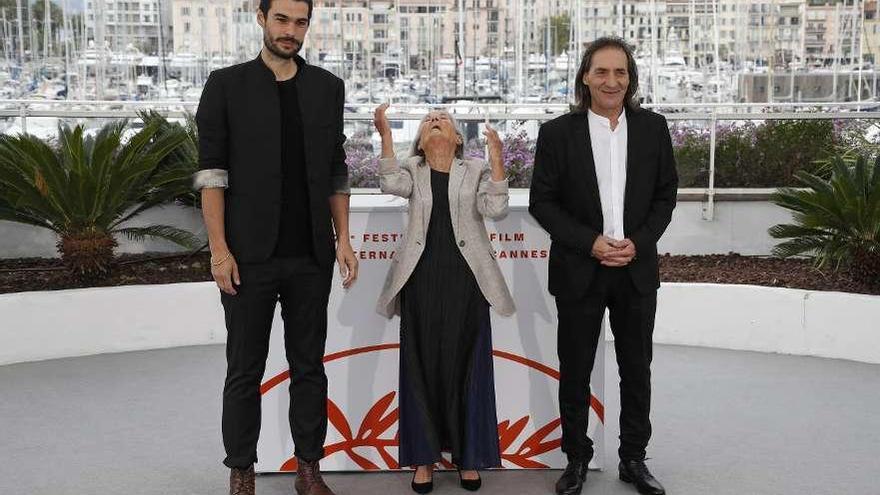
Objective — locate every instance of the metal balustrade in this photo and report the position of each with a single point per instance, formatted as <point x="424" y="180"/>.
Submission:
<point x="711" y="113"/>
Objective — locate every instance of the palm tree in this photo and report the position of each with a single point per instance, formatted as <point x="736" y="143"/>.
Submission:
<point x="837" y="219"/>
<point x="186" y="155"/>
<point x="85" y="188"/>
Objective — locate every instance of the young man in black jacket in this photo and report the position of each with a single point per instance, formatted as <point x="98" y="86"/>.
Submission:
<point x="604" y="187"/>
<point x="274" y="184"/>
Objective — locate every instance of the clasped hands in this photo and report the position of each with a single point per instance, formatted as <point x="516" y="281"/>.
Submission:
<point x="612" y="252"/>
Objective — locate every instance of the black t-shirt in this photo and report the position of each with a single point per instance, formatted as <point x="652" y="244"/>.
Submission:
<point x="295" y="229"/>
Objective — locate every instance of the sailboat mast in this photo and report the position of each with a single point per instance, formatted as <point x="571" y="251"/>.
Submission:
<point x="32" y="39"/>
<point x="654" y="34"/>
<point x="570" y="51"/>
<point x="99" y="49"/>
<point x="461" y="50"/>
<point x="861" y="49"/>
<point x="20" y="32"/>
<point x="519" y="51"/>
<point x="5" y="35"/>
<point x="65" y="28"/>
<point x="47" y="28"/>
<point x="717" y="55"/>
<point x="836" y="51"/>
<point x="692" y="42"/>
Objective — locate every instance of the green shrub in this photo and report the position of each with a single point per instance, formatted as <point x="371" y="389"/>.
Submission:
<point x="84" y="188"/>
<point x="837" y="219"/>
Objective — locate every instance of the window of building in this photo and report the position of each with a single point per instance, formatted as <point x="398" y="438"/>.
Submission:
<point x="186" y="27"/>
<point x="184" y="11"/>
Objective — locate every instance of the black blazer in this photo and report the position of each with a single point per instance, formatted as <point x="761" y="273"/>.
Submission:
<point x="564" y="198"/>
<point x="239" y="122"/>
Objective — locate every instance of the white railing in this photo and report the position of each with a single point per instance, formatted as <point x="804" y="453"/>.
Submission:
<point x="467" y="111"/>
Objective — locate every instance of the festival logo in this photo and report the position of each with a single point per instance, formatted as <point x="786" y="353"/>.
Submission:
<point x="528" y="429"/>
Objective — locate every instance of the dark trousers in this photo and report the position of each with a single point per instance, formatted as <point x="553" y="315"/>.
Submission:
<point x="632" y="323"/>
<point x="303" y="288"/>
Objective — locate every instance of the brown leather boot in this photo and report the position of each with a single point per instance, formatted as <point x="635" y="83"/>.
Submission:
<point x="241" y="481"/>
<point x="309" y="481"/>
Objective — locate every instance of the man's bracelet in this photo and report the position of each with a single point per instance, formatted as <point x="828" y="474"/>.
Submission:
<point x="217" y="263"/>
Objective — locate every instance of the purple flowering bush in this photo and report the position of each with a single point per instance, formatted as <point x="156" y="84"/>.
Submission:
<point x="519" y="156"/>
<point x="691" y="149"/>
<point x="362" y="161"/>
<point x="782" y="148"/>
<point x="746" y="154"/>
<point x="750" y="155"/>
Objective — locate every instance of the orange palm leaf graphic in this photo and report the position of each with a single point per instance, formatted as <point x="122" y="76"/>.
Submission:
<point x="376" y="422"/>
<point x="379" y="420"/>
<point x="535" y="445"/>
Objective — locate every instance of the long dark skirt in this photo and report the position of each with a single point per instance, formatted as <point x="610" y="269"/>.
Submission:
<point x="447" y="390"/>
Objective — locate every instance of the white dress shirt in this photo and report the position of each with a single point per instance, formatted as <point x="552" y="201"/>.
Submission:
<point x="609" y="155"/>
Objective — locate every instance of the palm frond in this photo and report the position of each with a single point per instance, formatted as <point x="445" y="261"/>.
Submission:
<point x="178" y="236"/>
<point x="94" y="182"/>
<point x="835" y="216"/>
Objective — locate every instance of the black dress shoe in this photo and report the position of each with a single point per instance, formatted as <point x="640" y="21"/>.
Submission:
<point x="636" y="472"/>
<point x="469" y="485"/>
<point x="572" y="480"/>
<point x="424" y="487"/>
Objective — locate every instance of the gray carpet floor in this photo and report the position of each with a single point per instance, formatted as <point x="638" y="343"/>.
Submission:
<point x="725" y="422"/>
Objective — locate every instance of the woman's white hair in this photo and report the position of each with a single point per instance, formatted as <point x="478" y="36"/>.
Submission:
<point x="414" y="147"/>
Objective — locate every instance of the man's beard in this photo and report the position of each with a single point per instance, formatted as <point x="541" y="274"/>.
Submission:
<point x="276" y="50"/>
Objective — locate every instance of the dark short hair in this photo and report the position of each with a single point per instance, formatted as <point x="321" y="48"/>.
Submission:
<point x="266" y="4"/>
<point x="582" y="92"/>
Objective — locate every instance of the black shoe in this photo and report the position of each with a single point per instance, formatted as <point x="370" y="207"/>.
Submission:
<point x="469" y="485"/>
<point x="425" y="487"/>
<point x="636" y="472"/>
<point x="572" y="480"/>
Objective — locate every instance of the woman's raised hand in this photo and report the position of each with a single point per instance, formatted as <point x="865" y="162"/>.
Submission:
<point x="381" y="121"/>
<point x="495" y="152"/>
<point x="384" y="129"/>
<point x="494" y="143"/>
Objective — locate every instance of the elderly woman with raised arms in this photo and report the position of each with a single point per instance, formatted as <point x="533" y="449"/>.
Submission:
<point x="442" y="280"/>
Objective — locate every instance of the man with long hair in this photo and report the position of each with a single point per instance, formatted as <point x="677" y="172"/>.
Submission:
<point x="604" y="187"/>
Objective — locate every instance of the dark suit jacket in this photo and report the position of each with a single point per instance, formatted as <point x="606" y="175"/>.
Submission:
<point x="564" y="198"/>
<point x="239" y="122"/>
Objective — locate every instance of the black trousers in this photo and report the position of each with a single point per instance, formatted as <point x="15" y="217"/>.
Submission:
<point x="632" y="323"/>
<point x="303" y="288"/>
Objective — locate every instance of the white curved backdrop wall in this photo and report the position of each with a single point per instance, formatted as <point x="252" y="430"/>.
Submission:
<point x="738" y="226"/>
<point x="49" y="325"/>
<point x="362" y="355"/>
